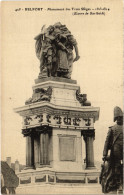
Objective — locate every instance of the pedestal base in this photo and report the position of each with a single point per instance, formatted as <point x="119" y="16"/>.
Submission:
<point x="57" y="79"/>
<point x="46" y="180"/>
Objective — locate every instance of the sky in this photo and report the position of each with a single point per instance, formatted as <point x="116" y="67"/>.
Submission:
<point x="99" y="72"/>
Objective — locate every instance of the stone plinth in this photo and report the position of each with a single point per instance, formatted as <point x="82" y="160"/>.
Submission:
<point x="47" y="180"/>
<point x="63" y="94"/>
<point x="54" y="124"/>
<point x="55" y="79"/>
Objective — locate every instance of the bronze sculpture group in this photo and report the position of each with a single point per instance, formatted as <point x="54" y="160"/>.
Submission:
<point x="54" y="48"/>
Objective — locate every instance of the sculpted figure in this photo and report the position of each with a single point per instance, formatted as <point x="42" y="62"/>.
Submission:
<point x="54" y="49"/>
<point x="112" y="168"/>
<point x="44" y="51"/>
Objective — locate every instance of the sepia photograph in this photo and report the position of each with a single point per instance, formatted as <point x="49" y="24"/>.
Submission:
<point x="62" y="97"/>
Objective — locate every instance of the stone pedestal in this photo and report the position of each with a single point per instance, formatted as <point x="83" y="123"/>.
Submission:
<point x="54" y="122"/>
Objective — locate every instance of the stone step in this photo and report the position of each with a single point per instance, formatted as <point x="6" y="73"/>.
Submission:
<point x="60" y="189"/>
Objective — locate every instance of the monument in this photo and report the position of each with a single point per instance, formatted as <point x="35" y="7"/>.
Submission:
<point x="57" y="119"/>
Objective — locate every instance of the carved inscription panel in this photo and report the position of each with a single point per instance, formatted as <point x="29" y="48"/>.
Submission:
<point x="64" y="94"/>
<point x="56" y="120"/>
<point x="67" y="148"/>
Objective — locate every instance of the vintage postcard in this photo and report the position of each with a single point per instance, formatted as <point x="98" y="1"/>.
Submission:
<point x="62" y="97"/>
